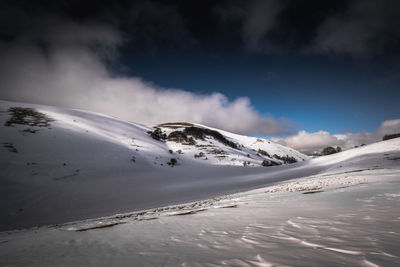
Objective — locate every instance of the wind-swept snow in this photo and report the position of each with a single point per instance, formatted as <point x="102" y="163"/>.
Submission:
<point x="352" y="219"/>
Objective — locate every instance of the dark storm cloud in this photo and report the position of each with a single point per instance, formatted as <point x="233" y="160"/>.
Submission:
<point x="257" y="17"/>
<point x="352" y="27"/>
<point x="148" y="26"/>
<point x="365" y="28"/>
<point x="153" y="26"/>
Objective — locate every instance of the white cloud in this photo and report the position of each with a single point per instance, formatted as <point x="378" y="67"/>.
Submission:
<point x="311" y="142"/>
<point x="389" y="127"/>
<point x="69" y="70"/>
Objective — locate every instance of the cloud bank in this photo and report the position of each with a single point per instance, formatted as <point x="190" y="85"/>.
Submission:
<point x="314" y="142"/>
<point x="69" y="65"/>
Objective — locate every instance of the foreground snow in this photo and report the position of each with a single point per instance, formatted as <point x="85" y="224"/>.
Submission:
<point x="354" y="224"/>
<point x="337" y="209"/>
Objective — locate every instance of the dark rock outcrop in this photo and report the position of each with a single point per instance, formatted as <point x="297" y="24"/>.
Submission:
<point x="157" y="134"/>
<point x="286" y="159"/>
<point x="330" y="150"/>
<point x="268" y="163"/>
<point x="390" y="136"/>
<point x="201" y="133"/>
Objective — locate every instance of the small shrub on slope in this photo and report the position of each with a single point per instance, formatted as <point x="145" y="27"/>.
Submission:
<point x="28" y="116"/>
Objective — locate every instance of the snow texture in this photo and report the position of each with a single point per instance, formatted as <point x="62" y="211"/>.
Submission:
<point x="351" y="219"/>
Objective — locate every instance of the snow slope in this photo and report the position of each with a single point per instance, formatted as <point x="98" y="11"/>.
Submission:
<point x="75" y="136"/>
<point x="86" y="165"/>
<point x="345" y="213"/>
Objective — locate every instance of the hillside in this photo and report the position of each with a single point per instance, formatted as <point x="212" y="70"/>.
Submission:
<point x="84" y="158"/>
<point x="73" y="137"/>
<point x="59" y="165"/>
<point x="340" y="209"/>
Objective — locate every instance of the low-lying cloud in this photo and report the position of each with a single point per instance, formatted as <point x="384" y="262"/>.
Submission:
<point x="314" y="142"/>
<point x="69" y="65"/>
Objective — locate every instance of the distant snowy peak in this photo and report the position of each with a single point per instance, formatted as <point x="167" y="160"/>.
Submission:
<point x="222" y="147"/>
<point x="48" y="133"/>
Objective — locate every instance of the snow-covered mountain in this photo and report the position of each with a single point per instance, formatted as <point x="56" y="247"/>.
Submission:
<point x="322" y="211"/>
<point x="54" y="158"/>
<point x="63" y="137"/>
<point x="59" y="165"/>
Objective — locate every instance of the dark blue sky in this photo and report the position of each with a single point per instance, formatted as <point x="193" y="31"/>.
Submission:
<point x="325" y="65"/>
<point x="337" y="94"/>
<point x="306" y="66"/>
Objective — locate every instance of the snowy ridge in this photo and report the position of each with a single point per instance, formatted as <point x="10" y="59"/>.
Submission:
<point x="73" y="160"/>
<point x="74" y="126"/>
<point x="250" y="151"/>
